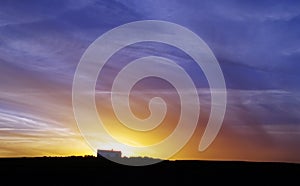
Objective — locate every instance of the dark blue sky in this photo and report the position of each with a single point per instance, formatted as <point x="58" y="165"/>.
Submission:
<point x="256" y="42"/>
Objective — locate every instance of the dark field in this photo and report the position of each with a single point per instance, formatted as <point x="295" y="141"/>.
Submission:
<point x="95" y="171"/>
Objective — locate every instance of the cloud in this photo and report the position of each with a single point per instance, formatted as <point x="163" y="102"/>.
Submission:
<point x="244" y="107"/>
<point x="293" y="51"/>
<point x="35" y="11"/>
<point x="24" y="126"/>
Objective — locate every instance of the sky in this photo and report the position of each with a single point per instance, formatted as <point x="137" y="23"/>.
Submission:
<point x="255" y="42"/>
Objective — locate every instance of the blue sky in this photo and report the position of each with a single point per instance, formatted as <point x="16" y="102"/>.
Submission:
<point x="257" y="37"/>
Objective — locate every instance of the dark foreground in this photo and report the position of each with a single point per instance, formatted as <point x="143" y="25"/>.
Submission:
<point x="94" y="171"/>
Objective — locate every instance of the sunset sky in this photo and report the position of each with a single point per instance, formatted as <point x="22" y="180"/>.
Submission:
<point x="257" y="44"/>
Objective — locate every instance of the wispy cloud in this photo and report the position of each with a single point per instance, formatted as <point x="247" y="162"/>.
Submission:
<point x="25" y="126"/>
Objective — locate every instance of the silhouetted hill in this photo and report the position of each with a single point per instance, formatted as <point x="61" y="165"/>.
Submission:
<point x="96" y="171"/>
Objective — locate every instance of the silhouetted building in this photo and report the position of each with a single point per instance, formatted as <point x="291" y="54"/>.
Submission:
<point x="109" y="154"/>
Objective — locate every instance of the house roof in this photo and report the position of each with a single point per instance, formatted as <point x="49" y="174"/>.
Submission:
<point x="109" y="151"/>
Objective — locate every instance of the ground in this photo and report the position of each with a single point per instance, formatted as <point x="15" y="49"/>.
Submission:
<point x="95" y="171"/>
